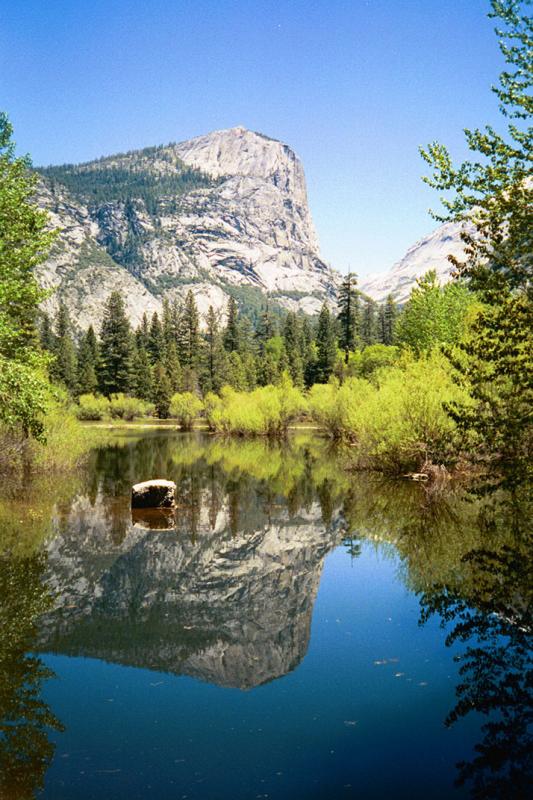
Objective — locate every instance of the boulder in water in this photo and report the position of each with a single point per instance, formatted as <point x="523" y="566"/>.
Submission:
<point x="157" y="493"/>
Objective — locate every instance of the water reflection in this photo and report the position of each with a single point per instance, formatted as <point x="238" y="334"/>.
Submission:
<point x="26" y="750"/>
<point x="488" y="608"/>
<point x="223" y="588"/>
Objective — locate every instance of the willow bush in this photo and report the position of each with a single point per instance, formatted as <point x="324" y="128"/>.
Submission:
<point x="397" y="422"/>
<point x="267" y="411"/>
<point x="185" y="407"/>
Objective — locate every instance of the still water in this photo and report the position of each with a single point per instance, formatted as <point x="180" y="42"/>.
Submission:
<point x="293" y="631"/>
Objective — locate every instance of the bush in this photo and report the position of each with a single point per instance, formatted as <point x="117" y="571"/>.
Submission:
<point x="267" y="411"/>
<point x="92" y="408"/>
<point x="185" y="407"/>
<point x="123" y="407"/>
<point x="399" y="421"/>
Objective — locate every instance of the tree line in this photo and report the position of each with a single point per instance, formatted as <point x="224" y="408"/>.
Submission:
<point x="173" y="352"/>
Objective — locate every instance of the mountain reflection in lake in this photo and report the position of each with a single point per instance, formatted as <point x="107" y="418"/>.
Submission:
<point x="319" y="592"/>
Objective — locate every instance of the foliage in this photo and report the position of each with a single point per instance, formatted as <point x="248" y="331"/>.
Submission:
<point x="185" y="407"/>
<point x="492" y="197"/>
<point x="115" y="347"/>
<point x="101" y="182"/>
<point x="266" y="411"/>
<point x="92" y="408"/>
<point x="24" y="393"/>
<point x="365" y="363"/>
<point x="398" y="422"/>
<point x="434" y="314"/>
<point x="24" y="243"/>
<point x="128" y="408"/>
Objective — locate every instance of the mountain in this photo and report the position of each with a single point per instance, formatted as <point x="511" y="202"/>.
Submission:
<point x="431" y="252"/>
<point x="223" y="602"/>
<point x="223" y="214"/>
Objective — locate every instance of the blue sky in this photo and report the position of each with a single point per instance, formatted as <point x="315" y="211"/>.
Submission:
<point x="352" y="86"/>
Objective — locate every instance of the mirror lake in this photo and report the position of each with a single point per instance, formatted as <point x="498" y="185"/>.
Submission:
<point x="293" y="630"/>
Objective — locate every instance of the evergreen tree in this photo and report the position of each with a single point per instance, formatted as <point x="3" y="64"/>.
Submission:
<point x="141" y="384"/>
<point x="349" y="315"/>
<point x="293" y="338"/>
<point x="172" y="365"/>
<point x="326" y="343"/>
<point x="87" y="380"/>
<point x="156" y="340"/>
<point x="369" y="323"/>
<point x="390" y="315"/>
<point x="232" y="331"/>
<point x="115" y="347"/>
<point x="266" y="328"/>
<point x="214" y="361"/>
<point x="189" y="334"/>
<point x="142" y="333"/>
<point x="161" y="392"/>
<point x="63" y="368"/>
<point x="237" y="377"/>
<point x="46" y="334"/>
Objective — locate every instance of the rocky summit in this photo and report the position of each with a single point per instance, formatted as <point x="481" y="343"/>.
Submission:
<point x="223" y="215"/>
<point x="431" y="252"/>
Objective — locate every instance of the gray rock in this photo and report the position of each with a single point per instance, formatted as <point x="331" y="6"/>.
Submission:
<point x="157" y="493"/>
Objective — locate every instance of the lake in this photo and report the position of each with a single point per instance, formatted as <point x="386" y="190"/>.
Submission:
<point x="294" y="630"/>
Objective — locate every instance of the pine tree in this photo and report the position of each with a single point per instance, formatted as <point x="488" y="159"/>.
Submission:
<point x="189" y="334"/>
<point x="237" y="377"/>
<point x="349" y="314"/>
<point x="326" y="343"/>
<point x="156" y="340"/>
<point x="142" y="333"/>
<point x="63" y="368"/>
<point x="141" y="384"/>
<point x="115" y="347"/>
<point x="232" y="331"/>
<point x="172" y="365"/>
<point x="390" y="315"/>
<point x="214" y="355"/>
<point x="87" y="380"/>
<point x="161" y="392"/>
<point x="292" y="335"/>
<point x="369" y="323"/>
<point x="46" y="334"/>
<point x="266" y="328"/>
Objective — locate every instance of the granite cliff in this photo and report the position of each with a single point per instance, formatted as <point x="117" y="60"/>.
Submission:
<point x="223" y="214"/>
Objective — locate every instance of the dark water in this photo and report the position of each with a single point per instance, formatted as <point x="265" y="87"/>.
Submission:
<point x="295" y="631"/>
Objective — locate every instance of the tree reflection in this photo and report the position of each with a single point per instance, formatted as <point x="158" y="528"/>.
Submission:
<point x="25" y="719"/>
<point x="488" y="609"/>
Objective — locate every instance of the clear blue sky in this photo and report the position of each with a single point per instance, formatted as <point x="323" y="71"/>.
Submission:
<point x="354" y="86"/>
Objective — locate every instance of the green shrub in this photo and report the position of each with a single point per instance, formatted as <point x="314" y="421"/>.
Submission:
<point x="123" y="407"/>
<point x="185" y="407"/>
<point x="92" y="408"/>
<point x="399" y="421"/>
<point x="267" y="411"/>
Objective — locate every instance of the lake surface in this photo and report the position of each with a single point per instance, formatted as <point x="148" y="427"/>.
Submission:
<point x="294" y="630"/>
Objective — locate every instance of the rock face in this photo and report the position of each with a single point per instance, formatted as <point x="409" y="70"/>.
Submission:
<point x="431" y="252"/>
<point x="221" y="214"/>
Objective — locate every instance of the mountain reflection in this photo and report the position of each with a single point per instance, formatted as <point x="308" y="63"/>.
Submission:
<point x="221" y="590"/>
